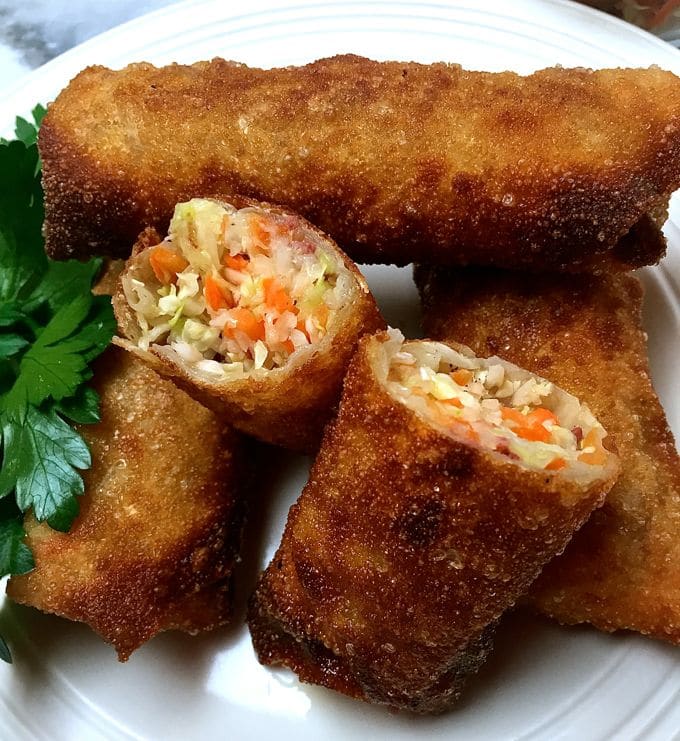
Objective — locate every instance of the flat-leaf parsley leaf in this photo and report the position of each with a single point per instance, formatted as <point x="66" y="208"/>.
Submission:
<point x="51" y="328"/>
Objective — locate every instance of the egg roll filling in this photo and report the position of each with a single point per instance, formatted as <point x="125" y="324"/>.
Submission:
<point x="498" y="406"/>
<point x="237" y="292"/>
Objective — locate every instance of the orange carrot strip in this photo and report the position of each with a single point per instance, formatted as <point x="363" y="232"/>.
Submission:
<point x="530" y="426"/>
<point x="454" y="402"/>
<point x="556" y="464"/>
<point x="301" y="326"/>
<point x="598" y="456"/>
<point x="276" y="297"/>
<point x="259" y="232"/>
<point x="216" y="296"/>
<point x="235" y="262"/>
<point x="247" y="323"/>
<point x="536" y="433"/>
<point x="461" y="376"/>
<point x="166" y="264"/>
<point x="540" y="415"/>
<point x="514" y="415"/>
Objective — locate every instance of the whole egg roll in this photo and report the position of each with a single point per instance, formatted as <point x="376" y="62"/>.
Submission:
<point x="621" y="571"/>
<point x="441" y="489"/>
<point x="397" y="161"/>
<point x="250" y="309"/>
<point x="159" y="527"/>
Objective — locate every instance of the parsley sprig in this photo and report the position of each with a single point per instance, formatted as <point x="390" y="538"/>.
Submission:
<point x="51" y="328"/>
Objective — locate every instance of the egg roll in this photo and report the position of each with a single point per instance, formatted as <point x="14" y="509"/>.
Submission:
<point x="250" y="309"/>
<point x="621" y="571"/>
<point x="159" y="528"/>
<point x="398" y="161"/>
<point x="444" y="485"/>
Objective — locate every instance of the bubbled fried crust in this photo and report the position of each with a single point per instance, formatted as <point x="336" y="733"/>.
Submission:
<point x="399" y="162"/>
<point x="159" y="526"/>
<point x="622" y="569"/>
<point x="291" y="406"/>
<point x="404" y="548"/>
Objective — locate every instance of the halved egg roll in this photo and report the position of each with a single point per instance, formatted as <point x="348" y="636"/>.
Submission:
<point x="397" y="161"/>
<point x="160" y="521"/>
<point x="444" y="485"/>
<point x="250" y="309"/>
<point x="622" y="570"/>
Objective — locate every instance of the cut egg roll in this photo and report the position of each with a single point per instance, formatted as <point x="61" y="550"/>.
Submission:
<point x="159" y="528"/>
<point x="251" y="310"/>
<point x="444" y="485"/>
<point x="399" y="162"/>
<point x="622" y="570"/>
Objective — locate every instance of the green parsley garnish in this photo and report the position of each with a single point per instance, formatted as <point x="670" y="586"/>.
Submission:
<point x="51" y="329"/>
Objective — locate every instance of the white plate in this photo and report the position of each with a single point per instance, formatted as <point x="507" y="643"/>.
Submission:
<point x="543" y="681"/>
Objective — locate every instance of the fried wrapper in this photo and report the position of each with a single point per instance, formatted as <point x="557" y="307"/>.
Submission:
<point x="405" y="547"/>
<point x="159" y="527"/>
<point x="398" y="161"/>
<point x="621" y="570"/>
<point x="289" y="405"/>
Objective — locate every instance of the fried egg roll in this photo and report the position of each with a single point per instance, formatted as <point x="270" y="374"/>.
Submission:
<point x="397" y="161"/>
<point x="252" y="310"/>
<point x="444" y="485"/>
<point x="160" y="520"/>
<point x="621" y="571"/>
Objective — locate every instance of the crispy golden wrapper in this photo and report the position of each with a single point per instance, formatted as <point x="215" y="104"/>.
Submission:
<point x="288" y="406"/>
<point x="622" y="570"/>
<point x="160" y="521"/>
<point x="398" y="161"/>
<point x="405" y="547"/>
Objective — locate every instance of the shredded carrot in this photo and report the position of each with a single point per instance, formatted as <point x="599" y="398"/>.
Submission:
<point x="235" y="262"/>
<point x="259" y="232"/>
<point x="598" y="456"/>
<point x="216" y="296"/>
<point x="301" y="325"/>
<point x="289" y="346"/>
<point x="536" y="433"/>
<point x="530" y="426"/>
<point x="461" y="376"/>
<point x="247" y="323"/>
<point x="454" y="402"/>
<point x="540" y="415"/>
<point x="276" y="297"/>
<point x="166" y="264"/>
<point x="514" y="415"/>
<point x="556" y="464"/>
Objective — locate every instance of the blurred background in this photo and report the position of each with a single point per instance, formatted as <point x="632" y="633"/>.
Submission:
<point x="661" y="17"/>
<point x="34" y="31"/>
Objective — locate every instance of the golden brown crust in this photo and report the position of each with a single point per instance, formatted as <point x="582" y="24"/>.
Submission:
<point x="621" y="570"/>
<point x="404" y="547"/>
<point x="159" y="526"/>
<point x="291" y="406"/>
<point x="398" y="161"/>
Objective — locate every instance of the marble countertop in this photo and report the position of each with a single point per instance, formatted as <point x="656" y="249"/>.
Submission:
<point x="33" y="32"/>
